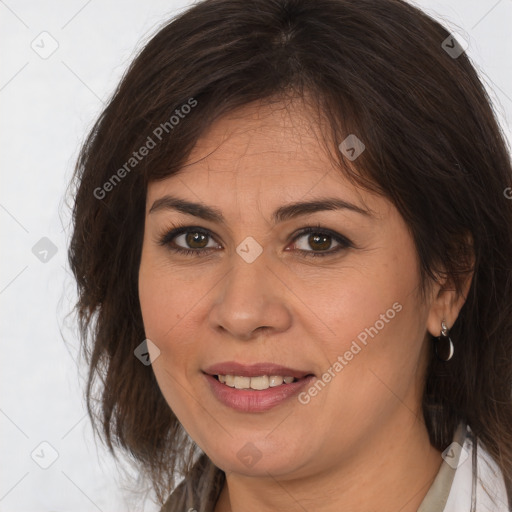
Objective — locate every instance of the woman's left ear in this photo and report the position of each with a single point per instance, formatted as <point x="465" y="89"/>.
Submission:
<point x="446" y="302"/>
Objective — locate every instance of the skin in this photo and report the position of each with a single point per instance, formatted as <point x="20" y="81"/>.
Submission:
<point x="361" y="443"/>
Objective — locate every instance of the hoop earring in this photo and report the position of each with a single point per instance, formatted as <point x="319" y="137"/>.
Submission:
<point x="444" y="345"/>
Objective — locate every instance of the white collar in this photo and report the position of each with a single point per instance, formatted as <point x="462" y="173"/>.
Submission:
<point x="468" y="480"/>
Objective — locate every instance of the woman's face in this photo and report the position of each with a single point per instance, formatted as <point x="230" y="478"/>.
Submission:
<point x="343" y="317"/>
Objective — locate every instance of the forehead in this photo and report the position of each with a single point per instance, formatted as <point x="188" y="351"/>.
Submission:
<point x="263" y="153"/>
<point x="282" y="128"/>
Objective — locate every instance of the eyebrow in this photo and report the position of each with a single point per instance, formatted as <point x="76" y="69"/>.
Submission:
<point x="283" y="213"/>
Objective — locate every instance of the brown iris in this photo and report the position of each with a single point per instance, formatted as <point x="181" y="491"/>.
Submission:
<point x="319" y="242"/>
<point x="196" y="237"/>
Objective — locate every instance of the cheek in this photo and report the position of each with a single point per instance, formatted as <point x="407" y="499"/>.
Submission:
<point x="172" y="306"/>
<point x="167" y="297"/>
<point x="374" y="325"/>
<point x="359" y="301"/>
<point x="166" y="301"/>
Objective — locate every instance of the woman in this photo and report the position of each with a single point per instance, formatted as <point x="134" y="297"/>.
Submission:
<point x="292" y="246"/>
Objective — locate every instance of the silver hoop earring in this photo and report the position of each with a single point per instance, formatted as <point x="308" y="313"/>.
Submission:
<point x="444" y="345"/>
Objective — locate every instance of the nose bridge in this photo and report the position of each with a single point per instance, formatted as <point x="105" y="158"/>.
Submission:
<point x="249" y="297"/>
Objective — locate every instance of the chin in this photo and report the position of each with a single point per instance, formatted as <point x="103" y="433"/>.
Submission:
<point x="259" y="458"/>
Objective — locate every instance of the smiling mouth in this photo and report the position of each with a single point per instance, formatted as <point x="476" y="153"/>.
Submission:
<point x="255" y="388"/>
<point x="258" y="383"/>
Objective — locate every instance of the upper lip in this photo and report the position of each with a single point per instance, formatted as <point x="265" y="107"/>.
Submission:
<point x="254" y="370"/>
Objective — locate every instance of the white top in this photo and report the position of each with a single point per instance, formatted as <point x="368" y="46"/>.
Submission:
<point x="457" y="488"/>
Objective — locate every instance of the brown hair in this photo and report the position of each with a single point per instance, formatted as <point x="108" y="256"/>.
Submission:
<point x="375" y="68"/>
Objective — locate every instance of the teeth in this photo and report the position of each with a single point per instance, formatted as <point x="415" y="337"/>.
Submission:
<point x="257" y="383"/>
<point x="276" y="380"/>
<point x="242" y="382"/>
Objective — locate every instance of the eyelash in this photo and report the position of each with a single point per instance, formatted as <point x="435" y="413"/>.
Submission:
<point x="176" y="230"/>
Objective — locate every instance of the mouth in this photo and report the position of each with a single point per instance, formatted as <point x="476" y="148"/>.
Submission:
<point x="255" y="388"/>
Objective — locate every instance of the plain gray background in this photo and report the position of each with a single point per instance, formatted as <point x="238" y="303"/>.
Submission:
<point x="48" y="103"/>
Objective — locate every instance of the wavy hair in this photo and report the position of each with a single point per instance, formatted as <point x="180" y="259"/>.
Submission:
<point x="375" y="68"/>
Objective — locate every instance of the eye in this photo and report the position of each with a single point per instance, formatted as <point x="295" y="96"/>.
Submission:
<point x="320" y="240"/>
<point x="189" y="240"/>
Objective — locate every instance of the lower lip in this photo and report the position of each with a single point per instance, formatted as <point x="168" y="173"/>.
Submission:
<point x="250" y="400"/>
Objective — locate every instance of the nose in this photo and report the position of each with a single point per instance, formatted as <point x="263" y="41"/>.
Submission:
<point x="250" y="300"/>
